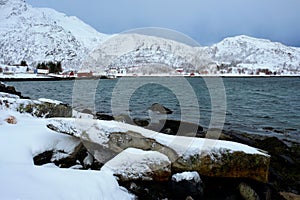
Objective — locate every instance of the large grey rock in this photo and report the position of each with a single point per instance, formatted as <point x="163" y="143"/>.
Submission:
<point x="138" y="165"/>
<point x="106" y="139"/>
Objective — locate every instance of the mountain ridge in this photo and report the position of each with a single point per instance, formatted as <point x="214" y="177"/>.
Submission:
<point x="43" y="34"/>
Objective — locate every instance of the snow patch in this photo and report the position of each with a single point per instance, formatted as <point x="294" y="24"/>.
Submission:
<point x="136" y="164"/>
<point x="188" y="176"/>
<point x="21" y="179"/>
<point x="50" y="101"/>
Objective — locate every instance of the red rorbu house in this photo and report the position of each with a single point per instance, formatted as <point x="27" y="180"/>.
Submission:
<point x="84" y="73"/>
<point x="179" y="70"/>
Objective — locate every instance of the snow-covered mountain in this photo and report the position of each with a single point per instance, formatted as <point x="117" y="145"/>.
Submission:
<point x="234" y="55"/>
<point x="134" y="51"/>
<point x="249" y="54"/>
<point x="42" y="34"/>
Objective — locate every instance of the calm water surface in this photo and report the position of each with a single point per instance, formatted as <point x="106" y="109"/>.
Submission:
<point x="253" y="105"/>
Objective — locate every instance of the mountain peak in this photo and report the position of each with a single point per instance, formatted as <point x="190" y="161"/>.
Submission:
<point x="39" y="35"/>
<point x="13" y="3"/>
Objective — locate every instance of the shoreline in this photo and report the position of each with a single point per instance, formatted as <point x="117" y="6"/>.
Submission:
<point x="283" y="167"/>
<point x="51" y="78"/>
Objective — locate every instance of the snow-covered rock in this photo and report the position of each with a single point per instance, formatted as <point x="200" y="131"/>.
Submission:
<point x="105" y="139"/>
<point x="188" y="176"/>
<point x="42" y="34"/>
<point x="187" y="184"/>
<point x="44" y="108"/>
<point x="138" y="165"/>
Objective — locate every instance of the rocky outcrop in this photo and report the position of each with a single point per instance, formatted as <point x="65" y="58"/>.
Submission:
<point x="158" y="108"/>
<point x="10" y="90"/>
<point x="77" y="156"/>
<point x="284" y="166"/>
<point x="106" y="139"/>
<point x="46" y="109"/>
<point x="226" y="164"/>
<point x="104" y="116"/>
<point x="38" y="108"/>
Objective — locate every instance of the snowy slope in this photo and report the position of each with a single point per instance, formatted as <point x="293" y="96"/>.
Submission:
<point x="248" y="52"/>
<point x="42" y="34"/>
<point x="136" y="50"/>
<point x="241" y="52"/>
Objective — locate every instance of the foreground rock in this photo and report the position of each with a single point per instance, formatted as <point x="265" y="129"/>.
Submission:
<point x="187" y="184"/>
<point x="285" y="159"/>
<point x="40" y="108"/>
<point x="106" y="139"/>
<point x="10" y="90"/>
<point x="138" y="165"/>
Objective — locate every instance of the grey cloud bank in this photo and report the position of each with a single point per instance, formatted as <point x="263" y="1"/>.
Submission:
<point x="207" y="22"/>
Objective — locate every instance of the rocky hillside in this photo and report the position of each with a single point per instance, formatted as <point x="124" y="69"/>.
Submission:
<point x="247" y="54"/>
<point x="42" y="34"/>
<point x="235" y="55"/>
<point x="134" y="51"/>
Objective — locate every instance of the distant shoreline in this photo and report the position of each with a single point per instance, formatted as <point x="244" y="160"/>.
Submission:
<point x="11" y="79"/>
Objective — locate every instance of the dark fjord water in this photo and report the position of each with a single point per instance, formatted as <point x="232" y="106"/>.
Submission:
<point x="254" y="105"/>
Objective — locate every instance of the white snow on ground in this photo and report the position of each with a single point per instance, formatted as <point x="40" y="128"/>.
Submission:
<point x="24" y="76"/>
<point x="186" y="176"/>
<point x="12" y="102"/>
<point x="135" y="163"/>
<point x="21" y="179"/>
<point x="50" y="101"/>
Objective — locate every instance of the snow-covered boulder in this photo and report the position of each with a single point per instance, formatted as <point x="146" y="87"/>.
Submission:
<point x="105" y="139"/>
<point x="41" y="108"/>
<point x="187" y="184"/>
<point x="138" y="165"/>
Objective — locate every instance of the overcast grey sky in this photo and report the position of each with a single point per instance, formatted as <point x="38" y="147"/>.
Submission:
<point x="206" y="21"/>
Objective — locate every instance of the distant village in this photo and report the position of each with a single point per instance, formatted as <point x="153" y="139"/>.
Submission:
<point x="55" y="70"/>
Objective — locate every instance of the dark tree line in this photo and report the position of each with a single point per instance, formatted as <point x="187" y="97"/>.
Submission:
<point x="51" y="66"/>
<point x="23" y="63"/>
